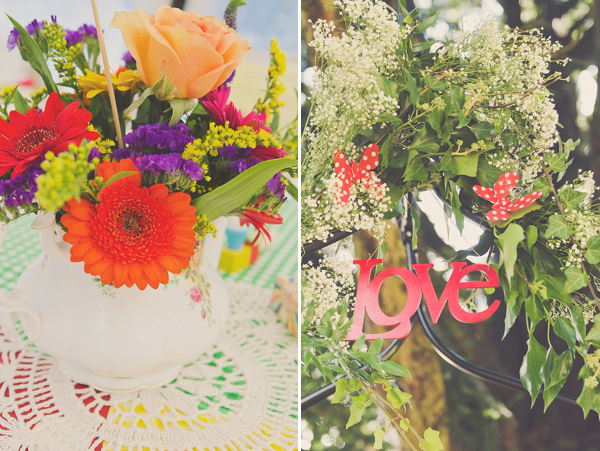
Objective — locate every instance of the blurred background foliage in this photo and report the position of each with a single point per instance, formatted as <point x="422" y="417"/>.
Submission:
<point x="472" y="415"/>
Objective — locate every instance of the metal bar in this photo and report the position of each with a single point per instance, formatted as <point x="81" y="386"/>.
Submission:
<point x="315" y="246"/>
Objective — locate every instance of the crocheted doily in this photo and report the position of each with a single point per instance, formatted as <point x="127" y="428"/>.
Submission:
<point x="241" y="395"/>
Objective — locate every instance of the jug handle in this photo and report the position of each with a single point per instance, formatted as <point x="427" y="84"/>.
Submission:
<point x="56" y="251"/>
<point x="13" y="302"/>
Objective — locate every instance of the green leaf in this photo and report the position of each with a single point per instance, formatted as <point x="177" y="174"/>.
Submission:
<point x="508" y="242"/>
<point x="466" y="165"/>
<point x="576" y="279"/>
<point x="557" y="162"/>
<point x="483" y="130"/>
<point x="594" y="334"/>
<point x="530" y="371"/>
<point x="534" y="309"/>
<point x="389" y="87"/>
<point x="415" y="171"/>
<point x="557" y="227"/>
<point x="180" y="107"/>
<point x="589" y="399"/>
<point x="556" y="376"/>
<point x="117" y="176"/>
<point x="379" y="434"/>
<point x="385" y="150"/>
<point x="426" y="23"/>
<point x="19" y="101"/>
<point x="565" y="330"/>
<point x="592" y="254"/>
<point x="532" y="236"/>
<point x="514" y="298"/>
<point x="426" y="142"/>
<point x="397" y="397"/>
<point x="416" y="224"/>
<point x="431" y="441"/>
<point x="237" y="192"/>
<point x="375" y="347"/>
<point x="487" y="174"/>
<point x="356" y="414"/>
<point x="571" y="198"/>
<point x="457" y="99"/>
<point x="37" y="61"/>
<point x="435" y="119"/>
<point x="542" y="184"/>
<point x="447" y="163"/>
<point x="411" y="87"/>
<point x="395" y="369"/>
<point x="405" y="424"/>
<point x="340" y="390"/>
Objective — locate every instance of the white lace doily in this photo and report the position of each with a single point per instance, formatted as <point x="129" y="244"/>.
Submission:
<point x="241" y="395"/>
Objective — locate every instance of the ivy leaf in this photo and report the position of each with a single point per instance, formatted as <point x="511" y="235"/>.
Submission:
<point x="431" y="441"/>
<point x="565" y="330"/>
<point x="340" y="390"/>
<point x="483" y="130"/>
<point x="395" y="369"/>
<point x="589" y="399"/>
<point x="534" y="309"/>
<point x="467" y="164"/>
<point x="557" y="162"/>
<point x="425" y="142"/>
<point x="508" y="242"/>
<point x="592" y="255"/>
<point x="435" y="119"/>
<point x="397" y="397"/>
<point x="557" y="227"/>
<point x="571" y="198"/>
<point x="379" y="433"/>
<point x="487" y="174"/>
<point x="385" y="151"/>
<point x="405" y="424"/>
<point x="389" y="87"/>
<point x="557" y="376"/>
<point x="456" y="99"/>
<point x="594" y="334"/>
<point x="411" y="87"/>
<point x="416" y="171"/>
<point x="531" y="368"/>
<point x="542" y="184"/>
<point x="514" y="301"/>
<point x="355" y="415"/>
<point x="576" y="279"/>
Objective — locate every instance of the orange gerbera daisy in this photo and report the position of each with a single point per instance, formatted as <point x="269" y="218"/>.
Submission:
<point x="133" y="235"/>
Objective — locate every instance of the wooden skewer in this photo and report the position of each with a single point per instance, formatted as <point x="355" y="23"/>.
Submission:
<point x="111" y="92"/>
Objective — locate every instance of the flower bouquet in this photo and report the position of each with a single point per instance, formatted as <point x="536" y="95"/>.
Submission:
<point x="472" y="119"/>
<point x="122" y="216"/>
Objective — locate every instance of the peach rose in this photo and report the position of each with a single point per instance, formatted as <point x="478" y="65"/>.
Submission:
<point x="196" y="53"/>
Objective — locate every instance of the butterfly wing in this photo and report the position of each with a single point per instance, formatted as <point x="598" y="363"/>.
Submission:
<point x="524" y="201"/>
<point x="368" y="162"/>
<point x="486" y="193"/>
<point x="497" y="214"/>
<point x="344" y="172"/>
<point x="505" y="184"/>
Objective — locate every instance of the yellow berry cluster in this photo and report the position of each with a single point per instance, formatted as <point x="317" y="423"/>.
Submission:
<point x="62" y="56"/>
<point x="271" y="103"/>
<point x="204" y="227"/>
<point x="6" y="91"/>
<point x="38" y="95"/>
<point x="104" y="146"/>
<point x="65" y="176"/>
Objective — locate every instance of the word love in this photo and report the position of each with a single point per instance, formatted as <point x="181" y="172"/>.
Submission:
<point x="417" y="283"/>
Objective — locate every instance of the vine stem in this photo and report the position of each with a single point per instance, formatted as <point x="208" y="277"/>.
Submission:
<point x="562" y="212"/>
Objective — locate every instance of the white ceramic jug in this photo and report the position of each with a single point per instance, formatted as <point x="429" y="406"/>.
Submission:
<point x="118" y="339"/>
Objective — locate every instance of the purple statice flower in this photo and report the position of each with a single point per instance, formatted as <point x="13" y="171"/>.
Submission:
<point x="53" y="19"/>
<point x="193" y="170"/>
<point x="94" y="153"/>
<point x="21" y="189"/>
<point x="34" y="25"/>
<point x="119" y="154"/>
<point x="127" y="57"/>
<point x="243" y="164"/>
<point x="161" y="137"/>
<point x="230" y="152"/>
<point x="13" y="37"/>
<point x="171" y="163"/>
<point x="230" y="78"/>
<point x="84" y="31"/>
<point x="276" y="186"/>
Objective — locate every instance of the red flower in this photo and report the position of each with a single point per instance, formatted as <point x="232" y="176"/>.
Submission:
<point x="24" y="138"/>
<point x="134" y="235"/>
<point x="259" y="219"/>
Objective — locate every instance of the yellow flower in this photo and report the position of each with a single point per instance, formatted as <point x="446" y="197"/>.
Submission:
<point x="93" y="84"/>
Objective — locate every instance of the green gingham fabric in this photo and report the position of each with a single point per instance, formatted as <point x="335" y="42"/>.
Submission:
<point x="21" y="246"/>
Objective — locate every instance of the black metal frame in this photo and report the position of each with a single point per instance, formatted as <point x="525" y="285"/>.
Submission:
<point x="450" y="356"/>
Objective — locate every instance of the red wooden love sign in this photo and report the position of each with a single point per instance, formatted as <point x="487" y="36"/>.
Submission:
<point x="418" y="283"/>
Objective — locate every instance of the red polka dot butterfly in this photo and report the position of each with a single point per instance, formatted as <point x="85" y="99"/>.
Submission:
<point x="497" y="196"/>
<point x="353" y="174"/>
